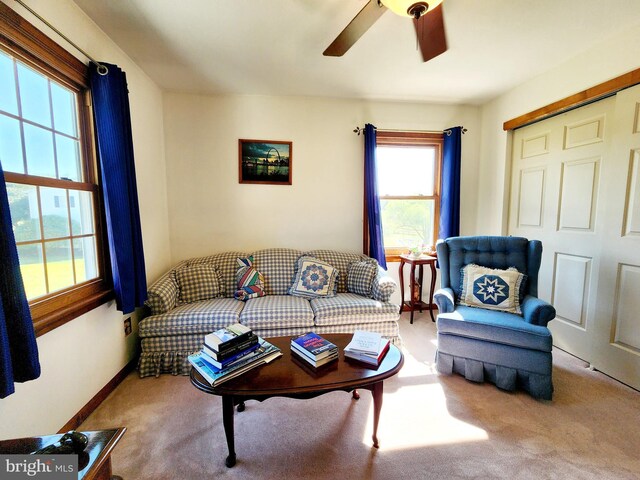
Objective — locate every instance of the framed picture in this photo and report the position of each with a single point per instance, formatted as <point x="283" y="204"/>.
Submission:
<point x="264" y="161"/>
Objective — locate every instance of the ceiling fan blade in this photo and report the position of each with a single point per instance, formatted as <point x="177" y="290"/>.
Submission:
<point x="431" y="35"/>
<point x="356" y="28"/>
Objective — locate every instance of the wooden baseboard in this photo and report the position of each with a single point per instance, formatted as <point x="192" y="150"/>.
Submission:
<point x="85" y="411"/>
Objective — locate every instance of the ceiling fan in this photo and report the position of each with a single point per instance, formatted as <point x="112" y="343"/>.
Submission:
<point x="427" y="19"/>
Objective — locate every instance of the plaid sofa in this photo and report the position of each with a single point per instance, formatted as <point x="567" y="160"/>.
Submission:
<point x="174" y="330"/>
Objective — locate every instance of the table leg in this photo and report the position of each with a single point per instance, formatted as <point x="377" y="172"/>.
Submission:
<point x="355" y="395"/>
<point x="433" y="286"/>
<point x="227" y="420"/>
<point x="241" y="407"/>
<point x="377" y="406"/>
<point x="401" y="280"/>
<point x="421" y="278"/>
<point x="412" y="286"/>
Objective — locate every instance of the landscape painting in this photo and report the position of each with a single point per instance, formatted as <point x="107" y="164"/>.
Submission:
<point x="265" y="161"/>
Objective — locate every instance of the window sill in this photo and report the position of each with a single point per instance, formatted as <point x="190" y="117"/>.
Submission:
<point x="53" y="312"/>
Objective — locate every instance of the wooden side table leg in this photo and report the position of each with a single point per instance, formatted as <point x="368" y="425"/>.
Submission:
<point x="401" y="280"/>
<point x="377" y="406"/>
<point x="412" y="286"/>
<point x="420" y="284"/>
<point x="227" y="420"/>
<point x="433" y="286"/>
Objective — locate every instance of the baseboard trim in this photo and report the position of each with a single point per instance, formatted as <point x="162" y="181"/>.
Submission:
<point x="88" y="409"/>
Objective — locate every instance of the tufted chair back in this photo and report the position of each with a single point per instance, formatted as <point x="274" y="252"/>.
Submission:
<point x="493" y="252"/>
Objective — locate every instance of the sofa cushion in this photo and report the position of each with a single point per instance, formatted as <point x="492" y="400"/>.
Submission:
<point x="282" y="310"/>
<point x="278" y="267"/>
<point x="361" y="275"/>
<point x="226" y="263"/>
<point x="498" y="327"/>
<point x="200" y="317"/>
<point x="491" y="288"/>
<point x="346" y="308"/>
<point x="313" y="278"/>
<point x="341" y="261"/>
<point x="197" y="282"/>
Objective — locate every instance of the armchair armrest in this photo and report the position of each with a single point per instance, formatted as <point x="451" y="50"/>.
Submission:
<point x="445" y="300"/>
<point x="162" y="296"/>
<point x="536" y="311"/>
<point x="383" y="286"/>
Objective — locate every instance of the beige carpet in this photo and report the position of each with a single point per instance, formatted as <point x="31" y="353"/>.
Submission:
<point x="431" y="427"/>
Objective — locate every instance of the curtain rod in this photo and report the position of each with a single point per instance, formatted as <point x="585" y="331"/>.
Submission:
<point x="360" y="130"/>
<point x="102" y="69"/>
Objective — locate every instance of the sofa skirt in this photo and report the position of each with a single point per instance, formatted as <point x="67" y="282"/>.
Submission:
<point x="508" y="367"/>
<point x="169" y="354"/>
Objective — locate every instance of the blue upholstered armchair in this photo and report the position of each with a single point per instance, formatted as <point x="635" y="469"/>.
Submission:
<point x="508" y="349"/>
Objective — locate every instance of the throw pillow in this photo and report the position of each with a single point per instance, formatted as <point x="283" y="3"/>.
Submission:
<point x="197" y="282"/>
<point x="249" y="280"/>
<point x="360" y="277"/>
<point x="491" y="288"/>
<point x="314" y="278"/>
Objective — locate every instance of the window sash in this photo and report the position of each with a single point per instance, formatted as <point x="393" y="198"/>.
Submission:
<point x="23" y="41"/>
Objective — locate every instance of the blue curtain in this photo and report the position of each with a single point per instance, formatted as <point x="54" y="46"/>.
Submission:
<point x="115" y="151"/>
<point x="18" y="349"/>
<point x="450" y="184"/>
<point x="376" y="244"/>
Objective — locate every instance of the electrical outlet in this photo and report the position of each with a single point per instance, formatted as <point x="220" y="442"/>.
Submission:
<point x="127" y="326"/>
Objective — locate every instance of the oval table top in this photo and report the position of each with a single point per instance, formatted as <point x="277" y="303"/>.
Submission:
<point x="289" y="376"/>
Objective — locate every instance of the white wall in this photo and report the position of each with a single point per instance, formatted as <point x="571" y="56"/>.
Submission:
<point x="81" y="357"/>
<point x="211" y="212"/>
<point x="610" y="59"/>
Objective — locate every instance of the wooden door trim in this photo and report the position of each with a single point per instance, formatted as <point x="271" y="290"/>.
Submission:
<point x="592" y="94"/>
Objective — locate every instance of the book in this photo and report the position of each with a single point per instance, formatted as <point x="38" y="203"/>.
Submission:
<point x="364" y="342"/>
<point x="313" y="346"/>
<point x="314" y="363"/>
<point x="227" y="337"/>
<point x="229" y="360"/>
<point x="231" y="351"/>
<point x="215" y="376"/>
<point x="370" y="358"/>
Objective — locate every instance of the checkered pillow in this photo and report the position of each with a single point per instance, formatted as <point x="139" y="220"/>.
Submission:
<point x="360" y="277"/>
<point x="314" y="278"/>
<point x="197" y="282"/>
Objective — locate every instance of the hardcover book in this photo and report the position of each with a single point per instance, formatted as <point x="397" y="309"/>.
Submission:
<point x="231" y="351"/>
<point x="229" y="360"/>
<point x="364" y="342"/>
<point x="370" y="358"/>
<point x="314" y="363"/>
<point x="313" y="346"/>
<point x="227" y="337"/>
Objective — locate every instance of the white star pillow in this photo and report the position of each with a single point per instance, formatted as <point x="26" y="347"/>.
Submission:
<point x="492" y="288"/>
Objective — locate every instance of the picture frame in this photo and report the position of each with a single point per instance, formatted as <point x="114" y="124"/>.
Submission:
<point x="267" y="162"/>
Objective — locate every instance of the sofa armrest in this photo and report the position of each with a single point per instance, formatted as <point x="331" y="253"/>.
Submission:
<point x="383" y="286"/>
<point x="162" y="296"/>
<point x="445" y="300"/>
<point x="536" y="311"/>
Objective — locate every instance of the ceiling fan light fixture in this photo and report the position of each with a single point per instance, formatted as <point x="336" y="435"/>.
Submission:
<point x="410" y="8"/>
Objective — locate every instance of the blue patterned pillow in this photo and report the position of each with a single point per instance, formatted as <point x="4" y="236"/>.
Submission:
<point x="360" y="278"/>
<point x="492" y="288"/>
<point x="250" y="281"/>
<point x="314" y="278"/>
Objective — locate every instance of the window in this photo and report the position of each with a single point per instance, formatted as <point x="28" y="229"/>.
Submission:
<point x="408" y="167"/>
<point x="50" y="172"/>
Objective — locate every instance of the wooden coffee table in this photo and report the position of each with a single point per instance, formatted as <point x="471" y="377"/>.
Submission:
<point x="289" y="377"/>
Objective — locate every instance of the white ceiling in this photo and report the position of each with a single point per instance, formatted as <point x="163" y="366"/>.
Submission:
<point x="274" y="47"/>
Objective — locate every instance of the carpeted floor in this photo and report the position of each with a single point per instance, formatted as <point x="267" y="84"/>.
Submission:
<point x="431" y="426"/>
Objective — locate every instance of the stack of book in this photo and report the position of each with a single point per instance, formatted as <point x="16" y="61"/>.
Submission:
<point x="230" y="352"/>
<point x="367" y="347"/>
<point x="313" y="349"/>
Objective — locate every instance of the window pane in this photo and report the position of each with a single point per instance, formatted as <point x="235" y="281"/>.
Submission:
<point x="84" y="252"/>
<point x="8" y="100"/>
<point x="68" y="158"/>
<point x="23" y="203"/>
<point x="59" y="265"/>
<point x="10" y="145"/>
<point x="55" y="216"/>
<point x="405" y="171"/>
<point x="64" y="110"/>
<point x="39" y="148"/>
<point x="32" y="269"/>
<point x="34" y="96"/>
<point x="81" y="206"/>
<point x="407" y="223"/>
